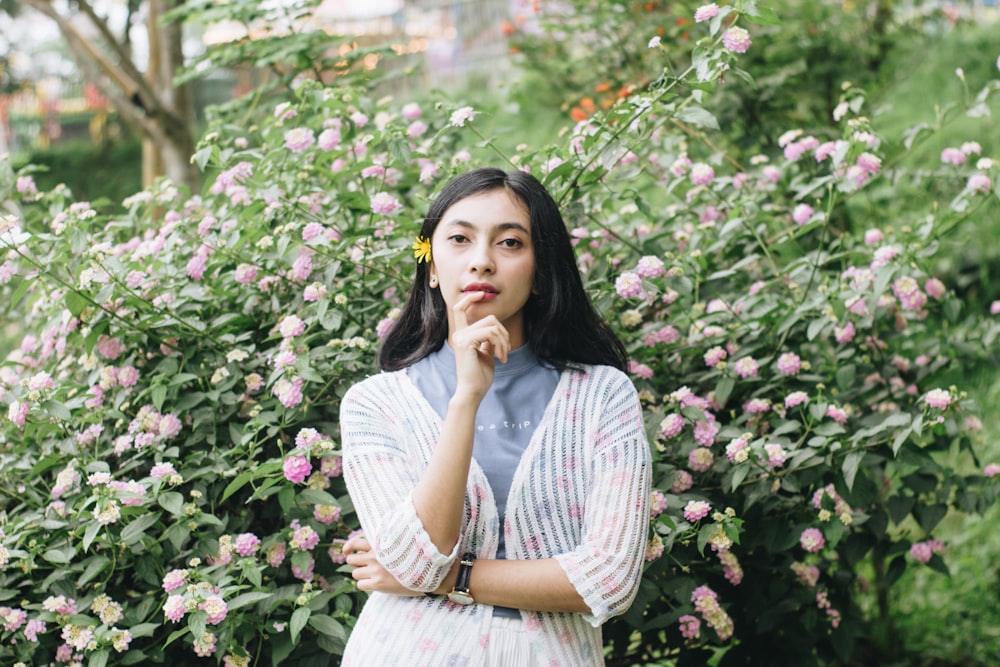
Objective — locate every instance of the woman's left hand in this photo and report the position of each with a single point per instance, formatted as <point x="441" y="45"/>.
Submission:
<point x="368" y="572"/>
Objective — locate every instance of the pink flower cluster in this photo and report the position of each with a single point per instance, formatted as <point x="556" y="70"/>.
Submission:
<point x="657" y="503"/>
<point x="812" y="540"/>
<point x="690" y="626"/>
<point x="696" y="510"/>
<point x="296" y="468"/>
<point x="923" y="551"/>
<point x="737" y="40"/>
<point x="706" y="602"/>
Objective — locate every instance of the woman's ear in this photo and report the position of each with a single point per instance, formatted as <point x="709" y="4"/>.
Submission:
<point x="433" y="280"/>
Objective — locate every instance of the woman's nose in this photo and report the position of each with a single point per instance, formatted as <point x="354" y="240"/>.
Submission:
<point x="482" y="259"/>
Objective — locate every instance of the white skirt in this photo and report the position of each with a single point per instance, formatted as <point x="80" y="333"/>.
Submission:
<point x="509" y="645"/>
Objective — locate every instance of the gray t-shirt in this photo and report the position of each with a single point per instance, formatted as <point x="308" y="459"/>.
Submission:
<point x="507" y="416"/>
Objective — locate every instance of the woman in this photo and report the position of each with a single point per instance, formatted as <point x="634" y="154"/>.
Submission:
<point x="499" y="466"/>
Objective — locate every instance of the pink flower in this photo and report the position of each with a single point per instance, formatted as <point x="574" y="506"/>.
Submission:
<point x="196" y="267"/>
<point x="705" y="431"/>
<point x="460" y="117"/>
<point x="416" y="129"/>
<point x="737" y="450"/>
<point x="329" y="139"/>
<point x="276" y="554"/>
<point x="808" y="574"/>
<point x="934" y="288"/>
<point x="289" y="392"/>
<point x="174" y="579"/>
<point x="952" y="156"/>
<point x="299" y="139"/>
<point x="844" y="334"/>
<point x="246" y="544"/>
<point x="938" y="398"/>
<point x="789" y="363"/>
<point x="161" y="470"/>
<point x="314" y="292"/>
<point x="326" y="514"/>
<point x="216" y="609"/>
<point x="776" y="455"/>
<point x="696" y="510"/>
<point x="690" y="626"/>
<point x="291" y="326"/>
<point x="296" y="469"/>
<point x="702" y="174"/>
<point x="628" y="285"/>
<point x="671" y="425"/>
<point x="384" y="203"/>
<point x="304" y="538"/>
<point x="109" y="348"/>
<point x="245" y="274"/>
<point x="640" y="370"/>
<point x="802" y="214"/>
<point x="995" y="308"/>
<point x="992" y="470"/>
<point x="411" y="111"/>
<point x="837" y="414"/>
<point x="704" y="13"/>
<point x="812" y="540"/>
<point x="714" y="356"/>
<point x="26" y="185"/>
<point x="737" y="40"/>
<point x="874" y="237"/>
<point x="650" y="267"/>
<point x="17" y="412"/>
<point x="174" y="608"/>
<point x="921" y="551"/>
<point x="657" y="503"/>
<point x="682" y="481"/>
<point x="869" y="163"/>
<point x="302" y="267"/>
<point x="796" y="398"/>
<point x="746" y="367"/>
<point x="312" y="230"/>
<point x="700" y="459"/>
<point x="979" y="183"/>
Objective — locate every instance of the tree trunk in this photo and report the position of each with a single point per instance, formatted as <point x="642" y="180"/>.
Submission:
<point x="162" y="113"/>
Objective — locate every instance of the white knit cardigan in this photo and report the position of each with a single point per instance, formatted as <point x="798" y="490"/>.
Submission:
<point x="580" y="494"/>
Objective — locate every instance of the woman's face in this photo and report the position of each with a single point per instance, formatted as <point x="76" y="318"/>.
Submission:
<point x="483" y="243"/>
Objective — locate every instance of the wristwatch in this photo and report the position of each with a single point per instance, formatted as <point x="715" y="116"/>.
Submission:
<point x="460" y="593"/>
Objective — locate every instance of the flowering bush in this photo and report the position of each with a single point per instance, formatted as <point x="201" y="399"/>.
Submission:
<point x="170" y="458"/>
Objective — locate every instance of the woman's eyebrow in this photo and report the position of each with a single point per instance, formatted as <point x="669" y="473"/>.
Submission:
<point x="502" y="226"/>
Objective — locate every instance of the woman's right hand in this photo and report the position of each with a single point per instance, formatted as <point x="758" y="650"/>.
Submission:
<point x="476" y="346"/>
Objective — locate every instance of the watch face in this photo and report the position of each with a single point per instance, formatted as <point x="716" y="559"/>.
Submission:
<point x="460" y="597"/>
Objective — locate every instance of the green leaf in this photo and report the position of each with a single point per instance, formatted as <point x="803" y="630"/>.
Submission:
<point x="90" y="534"/>
<point x="98" y="658"/>
<point x="144" y="629"/>
<point x="328" y="626"/>
<point x="134" y="531"/>
<point x="237" y="483"/>
<point x="94" y="566"/>
<point x="58" y="556"/>
<point x="57" y="410"/>
<point x="171" y="501"/>
<point x="763" y="16"/>
<point x="740" y="473"/>
<point x="724" y="389"/>
<point x="157" y="395"/>
<point x="899" y="507"/>
<point x="245" y="599"/>
<point x="929" y="516"/>
<point x="75" y="303"/>
<point x="845" y="376"/>
<point x="850" y="467"/>
<point x="698" y="117"/>
<point x="298" y="621"/>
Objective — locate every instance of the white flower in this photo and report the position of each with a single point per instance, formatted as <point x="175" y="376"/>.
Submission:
<point x="460" y="117"/>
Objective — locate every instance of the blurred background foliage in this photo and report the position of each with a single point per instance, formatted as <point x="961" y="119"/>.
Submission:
<point x="584" y="55"/>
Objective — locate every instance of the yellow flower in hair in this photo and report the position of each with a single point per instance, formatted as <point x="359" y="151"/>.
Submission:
<point x="422" y="249"/>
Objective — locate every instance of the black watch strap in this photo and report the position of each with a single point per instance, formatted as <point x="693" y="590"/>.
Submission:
<point x="464" y="572"/>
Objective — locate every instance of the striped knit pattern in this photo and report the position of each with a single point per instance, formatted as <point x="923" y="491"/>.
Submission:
<point x="580" y="495"/>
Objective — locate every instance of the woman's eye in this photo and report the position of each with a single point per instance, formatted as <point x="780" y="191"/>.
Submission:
<point x="511" y="243"/>
<point x="457" y="238"/>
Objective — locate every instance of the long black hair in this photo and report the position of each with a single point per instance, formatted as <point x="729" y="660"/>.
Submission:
<point x="561" y="325"/>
